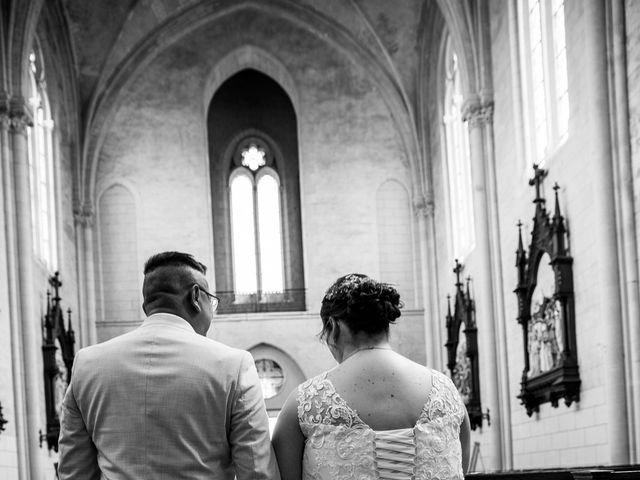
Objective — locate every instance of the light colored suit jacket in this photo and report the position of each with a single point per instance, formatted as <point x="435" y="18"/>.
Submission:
<point x="162" y="402"/>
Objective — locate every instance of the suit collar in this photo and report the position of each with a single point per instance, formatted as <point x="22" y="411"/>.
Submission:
<point x="168" y="319"/>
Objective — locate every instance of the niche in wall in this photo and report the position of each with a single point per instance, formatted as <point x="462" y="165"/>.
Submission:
<point x="253" y="143"/>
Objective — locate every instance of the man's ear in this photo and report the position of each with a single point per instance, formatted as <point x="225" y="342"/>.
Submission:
<point x="194" y="294"/>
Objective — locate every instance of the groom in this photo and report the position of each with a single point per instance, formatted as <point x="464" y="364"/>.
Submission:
<point x="164" y="401"/>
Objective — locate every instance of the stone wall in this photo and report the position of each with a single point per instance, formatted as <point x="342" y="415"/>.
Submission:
<point x="563" y="436"/>
<point x="348" y="146"/>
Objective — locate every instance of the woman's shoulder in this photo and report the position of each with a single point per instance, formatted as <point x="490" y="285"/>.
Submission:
<point x="311" y="386"/>
<point x="444" y="398"/>
<point x="442" y="381"/>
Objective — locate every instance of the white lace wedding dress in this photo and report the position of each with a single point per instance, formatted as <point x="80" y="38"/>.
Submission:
<point x="340" y="446"/>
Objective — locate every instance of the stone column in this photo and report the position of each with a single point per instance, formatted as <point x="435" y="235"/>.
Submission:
<point x="602" y="209"/>
<point x="84" y="217"/>
<point x="491" y="180"/>
<point x="17" y="368"/>
<point x="623" y="174"/>
<point x="29" y="319"/>
<point x="479" y="118"/>
<point x="426" y="235"/>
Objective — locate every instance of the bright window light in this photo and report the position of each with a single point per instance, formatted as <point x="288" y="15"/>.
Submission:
<point x="270" y="236"/>
<point x="243" y="234"/>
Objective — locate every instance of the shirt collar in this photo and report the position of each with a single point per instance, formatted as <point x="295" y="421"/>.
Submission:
<point x="168" y="319"/>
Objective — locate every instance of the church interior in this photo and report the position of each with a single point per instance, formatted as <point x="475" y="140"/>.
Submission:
<point x="483" y="156"/>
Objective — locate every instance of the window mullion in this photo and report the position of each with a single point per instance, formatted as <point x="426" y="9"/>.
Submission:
<point x="256" y="229"/>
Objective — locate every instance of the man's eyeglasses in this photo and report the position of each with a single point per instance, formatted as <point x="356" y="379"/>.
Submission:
<point x="212" y="298"/>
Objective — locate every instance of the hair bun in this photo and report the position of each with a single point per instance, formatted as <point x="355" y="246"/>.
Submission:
<point x="364" y="303"/>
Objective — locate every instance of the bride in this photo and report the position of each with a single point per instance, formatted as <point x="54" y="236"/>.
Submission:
<point x="377" y="414"/>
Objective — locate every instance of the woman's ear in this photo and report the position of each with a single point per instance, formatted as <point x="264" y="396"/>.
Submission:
<point x="335" y="329"/>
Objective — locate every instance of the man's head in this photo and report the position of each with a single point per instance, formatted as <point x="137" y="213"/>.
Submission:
<point x="175" y="283"/>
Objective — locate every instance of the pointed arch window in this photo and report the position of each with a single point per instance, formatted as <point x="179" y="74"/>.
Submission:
<point x="255" y="197"/>
<point x="256" y="222"/>
<point x="458" y="163"/>
<point x="545" y="84"/>
<point x="41" y="166"/>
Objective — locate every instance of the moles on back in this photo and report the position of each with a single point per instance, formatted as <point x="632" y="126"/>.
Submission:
<point x="387" y="390"/>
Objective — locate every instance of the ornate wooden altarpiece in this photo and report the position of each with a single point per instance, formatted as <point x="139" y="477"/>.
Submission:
<point x="462" y="350"/>
<point x="58" y="351"/>
<point x="547" y="314"/>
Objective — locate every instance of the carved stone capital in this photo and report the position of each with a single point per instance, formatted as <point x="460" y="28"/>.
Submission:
<point x="5" y="121"/>
<point x="478" y="113"/>
<point x="19" y="124"/>
<point x="83" y="215"/>
<point x="423" y="207"/>
<point x="20" y="114"/>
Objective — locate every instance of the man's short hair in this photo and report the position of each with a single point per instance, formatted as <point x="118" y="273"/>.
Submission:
<point x="173" y="259"/>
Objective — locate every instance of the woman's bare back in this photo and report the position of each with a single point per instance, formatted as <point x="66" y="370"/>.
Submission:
<point x="387" y="390"/>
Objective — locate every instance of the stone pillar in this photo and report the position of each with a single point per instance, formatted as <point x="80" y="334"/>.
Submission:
<point x="29" y="319"/>
<point x="504" y="392"/>
<point x="84" y="217"/>
<point x="603" y="212"/>
<point x="9" y="225"/>
<point x="426" y="235"/>
<point x="479" y="118"/>
<point x="623" y="174"/>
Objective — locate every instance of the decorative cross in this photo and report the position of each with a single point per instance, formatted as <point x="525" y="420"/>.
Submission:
<point x="55" y="282"/>
<point x="538" y="176"/>
<point x="457" y="270"/>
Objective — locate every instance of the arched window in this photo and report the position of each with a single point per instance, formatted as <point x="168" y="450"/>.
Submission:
<point x="545" y="86"/>
<point x="255" y="196"/>
<point x="256" y="222"/>
<point x="41" y="176"/>
<point x="458" y="166"/>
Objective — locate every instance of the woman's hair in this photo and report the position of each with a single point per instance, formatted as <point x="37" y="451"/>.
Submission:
<point x="363" y="303"/>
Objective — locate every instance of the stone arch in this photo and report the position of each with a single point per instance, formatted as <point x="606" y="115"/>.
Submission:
<point x="58" y="57"/>
<point x="117" y="243"/>
<point x="462" y="24"/>
<point x="22" y="23"/>
<point x="293" y="375"/>
<point x="226" y="129"/>
<point x="442" y="19"/>
<point x="107" y="98"/>
<point x="250" y="57"/>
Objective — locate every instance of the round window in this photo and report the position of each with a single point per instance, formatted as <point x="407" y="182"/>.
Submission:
<point x="271" y="377"/>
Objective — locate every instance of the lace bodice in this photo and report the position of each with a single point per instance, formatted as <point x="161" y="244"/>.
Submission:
<point x="340" y="446"/>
